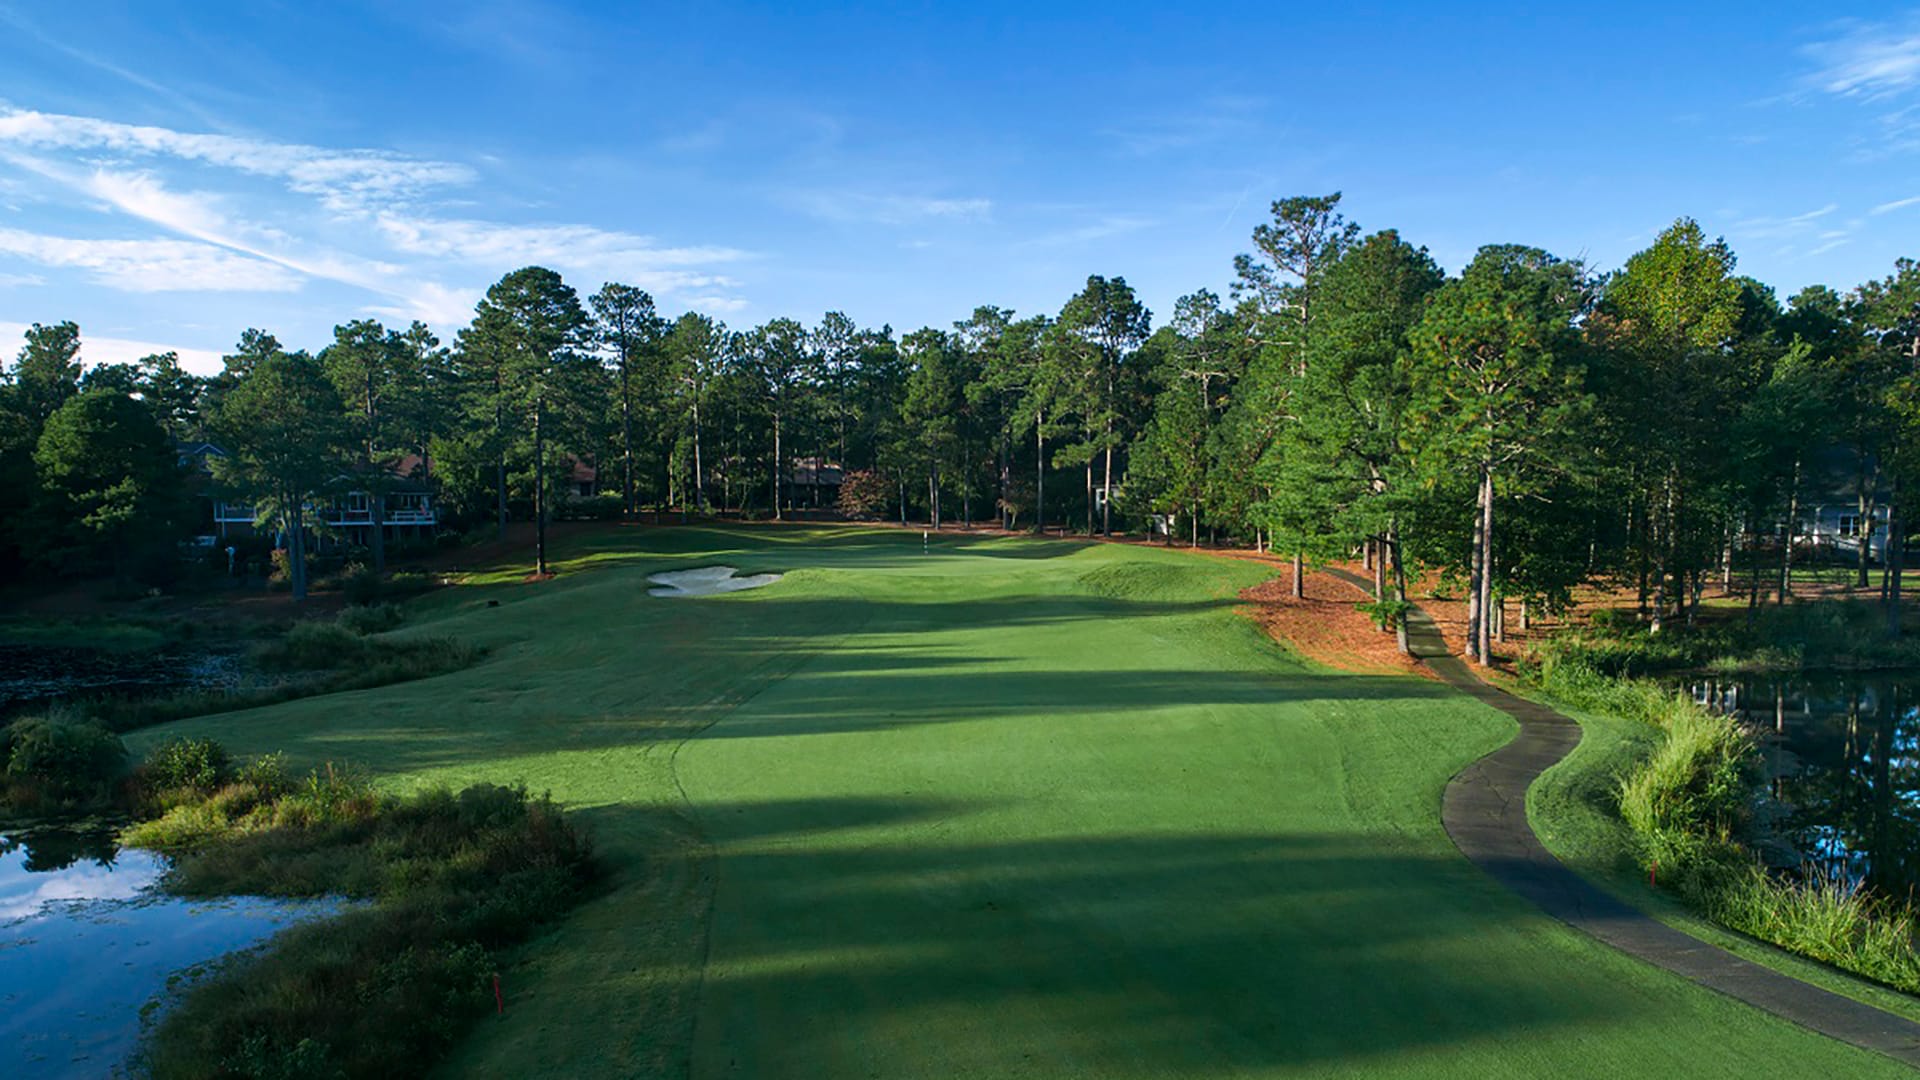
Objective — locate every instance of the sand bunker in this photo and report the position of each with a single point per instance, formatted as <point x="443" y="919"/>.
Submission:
<point x="706" y="581"/>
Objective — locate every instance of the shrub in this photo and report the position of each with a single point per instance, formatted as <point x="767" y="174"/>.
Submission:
<point x="864" y="495"/>
<point x="453" y="877"/>
<point x="311" y="646"/>
<point x="371" y="619"/>
<point x="360" y="584"/>
<point x="267" y="774"/>
<point x="196" y="764"/>
<point x="51" y="762"/>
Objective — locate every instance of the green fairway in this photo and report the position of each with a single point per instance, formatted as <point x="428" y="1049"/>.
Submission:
<point x="1008" y="808"/>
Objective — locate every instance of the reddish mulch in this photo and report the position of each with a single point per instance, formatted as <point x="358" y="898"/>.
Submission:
<point x="1324" y="625"/>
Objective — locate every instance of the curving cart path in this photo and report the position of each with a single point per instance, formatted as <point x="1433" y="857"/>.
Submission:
<point x="1485" y="812"/>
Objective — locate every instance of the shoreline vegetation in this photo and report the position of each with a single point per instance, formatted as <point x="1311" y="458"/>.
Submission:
<point x="444" y="882"/>
<point x="354" y="650"/>
<point x="1688" y="797"/>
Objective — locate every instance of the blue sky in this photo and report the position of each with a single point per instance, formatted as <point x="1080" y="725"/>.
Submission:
<point x="174" y="172"/>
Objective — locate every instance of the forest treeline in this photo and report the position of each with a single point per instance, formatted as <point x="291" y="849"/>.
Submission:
<point x="1528" y="424"/>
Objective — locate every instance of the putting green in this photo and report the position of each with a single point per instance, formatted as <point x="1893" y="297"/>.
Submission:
<point x="1008" y="808"/>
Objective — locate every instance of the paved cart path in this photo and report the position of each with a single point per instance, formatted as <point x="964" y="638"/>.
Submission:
<point x="1485" y="812"/>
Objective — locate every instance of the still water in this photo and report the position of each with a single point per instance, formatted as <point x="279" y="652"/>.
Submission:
<point x="87" y="940"/>
<point x="1842" y="757"/>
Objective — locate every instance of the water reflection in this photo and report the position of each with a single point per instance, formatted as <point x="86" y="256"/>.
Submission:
<point x="1842" y="755"/>
<point x="86" y="941"/>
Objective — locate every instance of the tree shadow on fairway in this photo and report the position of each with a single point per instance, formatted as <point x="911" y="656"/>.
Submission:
<point x="856" y="937"/>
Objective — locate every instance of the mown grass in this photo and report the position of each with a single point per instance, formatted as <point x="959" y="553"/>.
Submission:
<point x="995" y="810"/>
<point x="450" y="879"/>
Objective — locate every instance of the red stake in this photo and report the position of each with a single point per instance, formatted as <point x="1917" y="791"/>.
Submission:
<point x="499" y="1003"/>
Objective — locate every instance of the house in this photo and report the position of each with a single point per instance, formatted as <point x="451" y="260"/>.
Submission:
<point x="1828" y="517"/>
<point x="408" y="513"/>
<point x="813" y="482"/>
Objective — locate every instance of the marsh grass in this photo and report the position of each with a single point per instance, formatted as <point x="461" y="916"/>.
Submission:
<point x="1689" y="802"/>
<point x="311" y="659"/>
<point x="1824" y="917"/>
<point x="451" y="878"/>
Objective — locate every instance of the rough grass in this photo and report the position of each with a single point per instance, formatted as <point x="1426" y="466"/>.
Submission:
<point x="1685" y="797"/>
<point x="966" y="813"/>
<point x="452" y="879"/>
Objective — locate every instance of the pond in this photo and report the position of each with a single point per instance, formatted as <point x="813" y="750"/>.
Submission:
<point x="35" y="676"/>
<point x="1842" y="758"/>
<point x="88" y="940"/>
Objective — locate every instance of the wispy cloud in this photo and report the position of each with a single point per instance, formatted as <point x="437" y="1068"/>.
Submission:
<point x="1111" y="225"/>
<point x="377" y="229"/>
<point x="1897" y="204"/>
<point x="343" y="180"/>
<point x="1211" y="120"/>
<point x="146" y="266"/>
<point x="1772" y="228"/>
<point x="1868" y="60"/>
<point x="886" y="209"/>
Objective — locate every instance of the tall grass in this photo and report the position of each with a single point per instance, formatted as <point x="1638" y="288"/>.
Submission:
<point x="381" y="989"/>
<point x="1689" y="805"/>
<point x="1825" y="917"/>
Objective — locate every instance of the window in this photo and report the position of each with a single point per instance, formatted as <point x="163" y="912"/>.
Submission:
<point x="1850" y="525"/>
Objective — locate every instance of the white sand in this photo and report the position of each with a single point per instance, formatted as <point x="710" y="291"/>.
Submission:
<point x="706" y="581"/>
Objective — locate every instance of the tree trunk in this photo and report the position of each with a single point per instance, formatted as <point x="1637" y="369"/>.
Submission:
<point x="500" y="463"/>
<point x="1786" y="547"/>
<point x="1089" y="494"/>
<point x="377" y="516"/>
<point x="779" y="466"/>
<point x="540" y="485"/>
<point x="1864" y="528"/>
<point x="1379" y="560"/>
<point x="699" y="478"/>
<point x="1479" y="615"/>
<point x="933" y="499"/>
<point x="1896" y="558"/>
<point x="1667" y="529"/>
<point x="1399" y="588"/>
<point x="626" y="438"/>
<point x="1476" y="570"/>
<point x="1040" y="472"/>
<point x="1299" y="576"/>
<point x="297" y="551"/>
<point x="1106" y="490"/>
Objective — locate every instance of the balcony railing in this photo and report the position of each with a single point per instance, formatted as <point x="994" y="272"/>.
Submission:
<point x="337" y="516"/>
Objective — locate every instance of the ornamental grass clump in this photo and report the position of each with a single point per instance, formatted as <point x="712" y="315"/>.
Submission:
<point x="1826" y="917"/>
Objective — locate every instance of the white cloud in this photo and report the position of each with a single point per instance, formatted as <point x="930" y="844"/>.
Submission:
<point x="891" y="209"/>
<point x="377" y="233"/>
<point x="1869" y="60"/>
<point x="147" y="266"/>
<point x="1897" y="204"/>
<point x="344" y="180"/>
<point x="719" y="305"/>
<point x="1212" y="120"/>
<point x="1773" y="228"/>
<point x="9" y="281"/>
<point x="1112" y="225"/>
<point x="513" y="246"/>
<point x="113" y="350"/>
